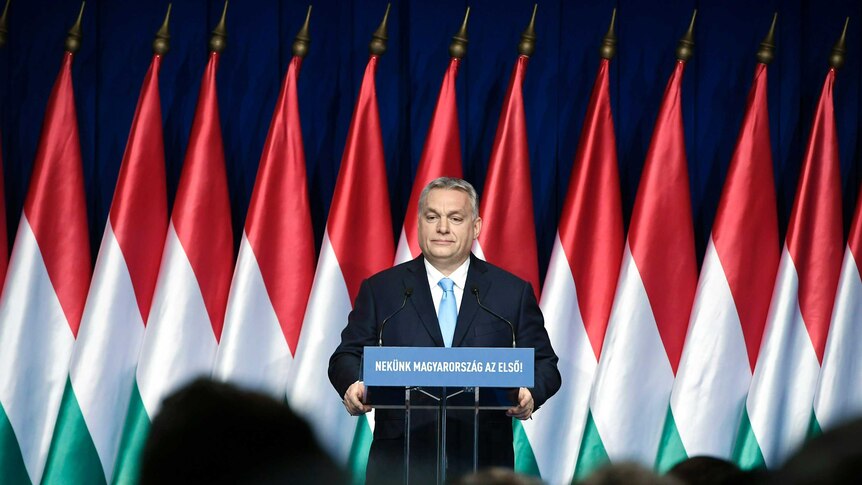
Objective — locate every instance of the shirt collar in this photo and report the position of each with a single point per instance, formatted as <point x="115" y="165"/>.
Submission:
<point x="459" y="276"/>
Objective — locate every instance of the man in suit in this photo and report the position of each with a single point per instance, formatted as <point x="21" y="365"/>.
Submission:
<point x="442" y="290"/>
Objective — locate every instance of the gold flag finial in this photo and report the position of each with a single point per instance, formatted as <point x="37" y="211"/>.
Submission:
<point x="377" y="47"/>
<point x="766" y="53"/>
<point x="218" y="39"/>
<point x="302" y="40"/>
<point x="685" y="48"/>
<point x="162" y="42"/>
<point x="836" y="57"/>
<point x="4" y="31"/>
<point x="73" y="39"/>
<point x="458" y="47"/>
<point x="609" y="42"/>
<point x="528" y="38"/>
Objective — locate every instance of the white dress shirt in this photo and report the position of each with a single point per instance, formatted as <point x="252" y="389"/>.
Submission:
<point x="459" y="277"/>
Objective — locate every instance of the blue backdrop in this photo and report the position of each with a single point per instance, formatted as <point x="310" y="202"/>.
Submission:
<point x="116" y="50"/>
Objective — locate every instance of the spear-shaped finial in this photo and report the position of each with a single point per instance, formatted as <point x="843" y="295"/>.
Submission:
<point x="218" y="39"/>
<point x="609" y="42"/>
<point x="73" y="39"/>
<point x="685" y="48"/>
<point x="377" y="47"/>
<point x="528" y="38"/>
<point x="162" y="42"/>
<point x="458" y="47"/>
<point x="836" y="58"/>
<point x="302" y="39"/>
<point x="4" y="31"/>
<point x="766" y="53"/>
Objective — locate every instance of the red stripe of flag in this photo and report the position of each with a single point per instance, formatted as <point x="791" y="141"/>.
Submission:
<point x="591" y="225"/>
<point x="441" y="155"/>
<point x="55" y="206"/>
<point x="201" y="213"/>
<point x="661" y="236"/>
<point x="360" y="222"/>
<point x="139" y="212"/>
<point x="278" y="226"/>
<point x="508" y="236"/>
<point x="814" y="236"/>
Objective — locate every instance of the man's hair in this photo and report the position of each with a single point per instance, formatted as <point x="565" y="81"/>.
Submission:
<point x="450" y="183"/>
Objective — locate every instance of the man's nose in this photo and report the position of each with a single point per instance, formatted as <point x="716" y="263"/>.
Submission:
<point x="443" y="226"/>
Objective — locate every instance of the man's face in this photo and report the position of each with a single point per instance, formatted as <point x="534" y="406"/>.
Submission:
<point x="447" y="228"/>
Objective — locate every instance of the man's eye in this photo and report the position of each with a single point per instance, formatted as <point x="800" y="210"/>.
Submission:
<point x="430" y="218"/>
<point x="456" y="220"/>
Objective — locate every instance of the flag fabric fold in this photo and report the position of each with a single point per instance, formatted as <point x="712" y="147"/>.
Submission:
<point x="275" y="266"/>
<point x="356" y="244"/>
<point x="580" y="284"/>
<point x="778" y="410"/>
<point x="839" y="395"/>
<point x="441" y="157"/>
<point x="45" y="290"/>
<point x="187" y="314"/>
<point x="102" y="370"/>
<point x="649" y="317"/>
<point x="732" y="300"/>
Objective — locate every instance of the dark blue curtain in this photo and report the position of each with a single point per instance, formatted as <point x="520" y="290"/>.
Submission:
<point x="117" y="47"/>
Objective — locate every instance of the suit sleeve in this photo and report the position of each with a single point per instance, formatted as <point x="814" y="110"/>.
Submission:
<point x="361" y="330"/>
<point x="531" y="333"/>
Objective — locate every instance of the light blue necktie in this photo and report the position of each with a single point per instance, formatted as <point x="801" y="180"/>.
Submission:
<point x="447" y="315"/>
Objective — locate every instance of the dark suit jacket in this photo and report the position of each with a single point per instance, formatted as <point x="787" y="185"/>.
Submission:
<point x="417" y="326"/>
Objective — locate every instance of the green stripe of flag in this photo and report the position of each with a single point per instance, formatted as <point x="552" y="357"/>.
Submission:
<point x="814" y="429"/>
<point x="525" y="459"/>
<point x="671" y="450"/>
<point x="11" y="462"/>
<point x="358" y="459"/>
<point x="592" y="454"/>
<point x="746" y="452"/>
<point x="128" y="466"/>
<point x="72" y="457"/>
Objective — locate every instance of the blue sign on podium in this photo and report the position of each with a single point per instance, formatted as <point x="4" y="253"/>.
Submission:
<point x="448" y="366"/>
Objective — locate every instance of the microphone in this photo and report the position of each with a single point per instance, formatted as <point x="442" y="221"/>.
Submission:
<point x="475" y="291"/>
<point x="408" y="292"/>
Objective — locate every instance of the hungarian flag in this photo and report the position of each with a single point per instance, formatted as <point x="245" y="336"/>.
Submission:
<point x="187" y="313"/>
<point x="655" y="291"/>
<point x="275" y="266"/>
<point x="46" y="287"/>
<point x="579" y="286"/>
<point x="778" y="411"/>
<point x="508" y="237"/>
<point x="357" y="243"/>
<point x="839" y="395"/>
<point x="732" y="299"/>
<point x="102" y="371"/>
<point x="441" y="157"/>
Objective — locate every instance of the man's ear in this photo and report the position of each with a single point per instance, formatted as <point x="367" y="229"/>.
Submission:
<point x="477" y="227"/>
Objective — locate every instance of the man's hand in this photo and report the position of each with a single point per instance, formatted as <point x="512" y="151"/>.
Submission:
<point x="524" y="409"/>
<point x="356" y="392"/>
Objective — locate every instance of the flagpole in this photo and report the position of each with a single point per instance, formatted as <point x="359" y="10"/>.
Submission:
<point x="528" y="37"/>
<point x="73" y="39"/>
<point x="685" y="48"/>
<point x="766" y="52"/>
<point x="458" y="46"/>
<point x="4" y="31"/>
<point x="609" y="42"/>
<point x="162" y="42"/>
<point x="302" y="41"/>
<point x="836" y="57"/>
<point x="377" y="46"/>
<point x="218" y="39"/>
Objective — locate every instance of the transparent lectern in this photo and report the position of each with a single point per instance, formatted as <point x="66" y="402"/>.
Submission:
<point x="443" y="379"/>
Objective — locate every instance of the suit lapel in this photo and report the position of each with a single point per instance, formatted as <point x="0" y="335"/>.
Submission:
<point x="476" y="278"/>
<point x="417" y="278"/>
